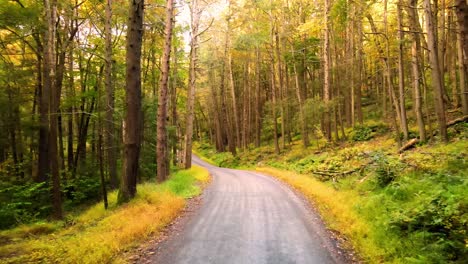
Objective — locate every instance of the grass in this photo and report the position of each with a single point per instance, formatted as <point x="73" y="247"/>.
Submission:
<point x="99" y="236"/>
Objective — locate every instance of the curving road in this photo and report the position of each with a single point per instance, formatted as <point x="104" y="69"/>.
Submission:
<point x="246" y="218"/>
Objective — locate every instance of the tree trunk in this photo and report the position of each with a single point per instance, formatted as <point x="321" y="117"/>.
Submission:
<point x="462" y="51"/>
<point x="415" y="50"/>
<point x="326" y="74"/>
<point x="258" y="110"/>
<point x="162" y="152"/>
<point x="435" y="71"/>
<point x="54" y="102"/>
<point x="109" y="133"/>
<point x="132" y="127"/>
<point x="304" y="131"/>
<point x="401" y="77"/>
<point x="195" y="22"/>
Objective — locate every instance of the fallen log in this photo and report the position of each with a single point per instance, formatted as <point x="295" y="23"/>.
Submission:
<point x="414" y="141"/>
<point x="408" y="145"/>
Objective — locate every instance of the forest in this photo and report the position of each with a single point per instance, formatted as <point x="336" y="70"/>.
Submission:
<point x="103" y="102"/>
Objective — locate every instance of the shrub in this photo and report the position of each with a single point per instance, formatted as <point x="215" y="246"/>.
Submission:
<point x="361" y="133"/>
<point x="386" y="169"/>
<point x="442" y="221"/>
<point x="23" y="203"/>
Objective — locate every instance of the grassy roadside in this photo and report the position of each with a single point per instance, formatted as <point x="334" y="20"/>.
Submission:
<point x="408" y="208"/>
<point x="97" y="235"/>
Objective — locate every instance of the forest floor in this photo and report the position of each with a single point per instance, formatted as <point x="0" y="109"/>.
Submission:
<point x="394" y="208"/>
<point x="96" y="235"/>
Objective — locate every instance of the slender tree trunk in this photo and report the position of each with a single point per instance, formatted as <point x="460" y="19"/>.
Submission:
<point x="228" y="56"/>
<point x="54" y="99"/>
<point x="174" y="106"/>
<point x="401" y="77"/>
<point x="162" y="151"/>
<point x="195" y="13"/>
<point x="304" y="131"/>
<point x="435" y="71"/>
<point x="258" y="119"/>
<point x="43" y="168"/>
<point x="415" y="50"/>
<point x="109" y="129"/>
<point x="462" y="51"/>
<point x="132" y="127"/>
<point x="326" y="74"/>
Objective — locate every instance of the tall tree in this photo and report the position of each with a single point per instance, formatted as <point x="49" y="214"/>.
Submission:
<point x="437" y="83"/>
<point x="415" y="68"/>
<point x="326" y="73"/>
<point x="50" y="7"/>
<point x="401" y="77"/>
<point x="162" y="151"/>
<point x="462" y="50"/>
<point x="195" y="13"/>
<point x="110" y="142"/>
<point x="132" y="127"/>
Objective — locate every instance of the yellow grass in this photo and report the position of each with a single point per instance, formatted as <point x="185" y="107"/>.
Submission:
<point x="98" y="235"/>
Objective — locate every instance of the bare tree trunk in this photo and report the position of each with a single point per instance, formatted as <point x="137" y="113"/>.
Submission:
<point x="359" y="64"/>
<point x="109" y="133"/>
<point x="281" y="88"/>
<point x="162" y="151"/>
<point x="132" y="127"/>
<point x="228" y="57"/>
<point x="462" y="51"/>
<point x="435" y="70"/>
<point x="258" y="119"/>
<point x="195" y="13"/>
<point x="173" y="98"/>
<point x="415" y="50"/>
<point x="304" y="131"/>
<point x="43" y="168"/>
<point x="326" y="74"/>
<point x="401" y="77"/>
<point x="54" y="99"/>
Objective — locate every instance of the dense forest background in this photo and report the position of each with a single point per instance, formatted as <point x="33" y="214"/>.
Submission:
<point x="99" y="95"/>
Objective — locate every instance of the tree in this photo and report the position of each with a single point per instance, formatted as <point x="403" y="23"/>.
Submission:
<point x="415" y="68"/>
<point x="162" y="151"/>
<point x="54" y="102"/>
<point x="462" y="50"/>
<point x="109" y="108"/>
<point x="195" y="13"/>
<point x="326" y="73"/>
<point x="132" y="127"/>
<point x="437" y="83"/>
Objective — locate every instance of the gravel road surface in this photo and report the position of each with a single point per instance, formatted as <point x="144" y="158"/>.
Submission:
<point x="247" y="217"/>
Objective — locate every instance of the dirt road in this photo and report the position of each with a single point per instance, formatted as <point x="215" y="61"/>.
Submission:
<point x="246" y="218"/>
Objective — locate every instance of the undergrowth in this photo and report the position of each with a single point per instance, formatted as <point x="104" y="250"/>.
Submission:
<point x="97" y="235"/>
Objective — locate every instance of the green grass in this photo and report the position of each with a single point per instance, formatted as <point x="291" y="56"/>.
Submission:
<point x="97" y="235"/>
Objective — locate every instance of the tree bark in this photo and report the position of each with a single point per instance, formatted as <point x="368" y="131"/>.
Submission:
<point x="109" y="129"/>
<point x="162" y="151"/>
<point x="326" y="74"/>
<point x="462" y="51"/>
<point x="132" y="127"/>
<point x="195" y="22"/>
<point x="415" y="68"/>
<point x="437" y="83"/>
<point x="54" y="102"/>
<point x="401" y="77"/>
